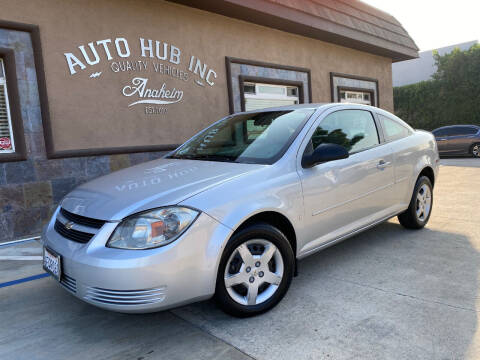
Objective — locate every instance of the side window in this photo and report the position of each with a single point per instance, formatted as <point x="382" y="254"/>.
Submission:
<point x="451" y="131"/>
<point x="456" y="131"/>
<point x="465" y="130"/>
<point x="6" y="133"/>
<point x="353" y="129"/>
<point x="471" y="131"/>
<point x="393" y="129"/>
<point x="439" y="132"/>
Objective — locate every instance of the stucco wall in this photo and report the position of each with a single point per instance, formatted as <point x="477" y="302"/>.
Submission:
<point x="92" y="112"/>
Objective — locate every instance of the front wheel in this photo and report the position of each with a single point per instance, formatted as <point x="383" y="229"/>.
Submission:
<point x="255" y="271"/>
<point x="420" y="208"/>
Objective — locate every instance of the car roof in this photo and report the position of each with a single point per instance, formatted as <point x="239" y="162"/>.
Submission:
<point x="324" y="106"/>
<point x="459" y="125"/>
<point x="315" y="106"/>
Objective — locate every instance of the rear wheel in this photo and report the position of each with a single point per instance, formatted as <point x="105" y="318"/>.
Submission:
<point x="420" y="208"/>
<point x="475" y="151"/>
<point x="255" y="271"/>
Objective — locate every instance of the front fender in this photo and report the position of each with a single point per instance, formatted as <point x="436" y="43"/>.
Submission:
<point x="233" y="203"/>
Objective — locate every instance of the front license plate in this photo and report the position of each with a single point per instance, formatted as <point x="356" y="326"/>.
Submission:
<point x="52" y="263"/>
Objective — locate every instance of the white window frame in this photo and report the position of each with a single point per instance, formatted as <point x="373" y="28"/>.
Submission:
<point x="262" y="96"/>
<point x="346" y="100"/>
<point x="3" y="83"/>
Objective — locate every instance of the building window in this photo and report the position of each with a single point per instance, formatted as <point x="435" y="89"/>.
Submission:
<point x="354" y="89"/>
<point x="259" y="95"/>
<point x="254" y="84"/>
<point x="7" y="144"/>
<point x="357" y="97"/>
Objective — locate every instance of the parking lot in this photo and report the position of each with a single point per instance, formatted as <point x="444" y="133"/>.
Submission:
<point x="389" y="293"/>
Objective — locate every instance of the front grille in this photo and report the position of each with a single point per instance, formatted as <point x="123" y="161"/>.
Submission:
<point x="126" y="297"/>
<point x="82" y="220"/>
<point x="74" y="235"/>
<point x="69" y="283"/>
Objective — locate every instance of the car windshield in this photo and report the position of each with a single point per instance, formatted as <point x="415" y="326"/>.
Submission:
<point x="258" y="138"/>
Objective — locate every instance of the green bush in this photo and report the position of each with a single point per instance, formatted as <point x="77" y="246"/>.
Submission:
<point x="452" y="96"/>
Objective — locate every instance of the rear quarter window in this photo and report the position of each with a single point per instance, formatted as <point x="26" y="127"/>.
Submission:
<point x="470" y="130"/>
<point x="392" y="129"/>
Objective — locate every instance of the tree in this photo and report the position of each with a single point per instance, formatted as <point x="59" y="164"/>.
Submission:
<point x="452" y="96"/>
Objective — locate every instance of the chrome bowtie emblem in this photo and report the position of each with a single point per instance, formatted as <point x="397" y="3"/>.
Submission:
<point x="69" y="225"/>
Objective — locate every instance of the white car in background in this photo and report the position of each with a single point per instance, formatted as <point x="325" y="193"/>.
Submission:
<point x="229" y="213"/>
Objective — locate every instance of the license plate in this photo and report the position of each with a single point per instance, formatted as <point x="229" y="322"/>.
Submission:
<point x="52" y="263"/>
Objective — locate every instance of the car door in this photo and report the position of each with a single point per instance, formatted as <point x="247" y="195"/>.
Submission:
<point x="441" y="138"/>
<point x="452" y="144"/>
<point x="344" y="195"/>
<point x="463" y="140"/>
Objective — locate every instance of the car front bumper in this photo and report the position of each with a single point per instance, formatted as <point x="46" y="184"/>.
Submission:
<point x="137" y="281"/>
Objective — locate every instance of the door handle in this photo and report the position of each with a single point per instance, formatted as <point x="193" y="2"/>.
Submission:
<point x="382" y="164"/>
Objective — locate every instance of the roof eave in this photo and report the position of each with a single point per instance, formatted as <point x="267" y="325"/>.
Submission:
<point x="281" y="18"/>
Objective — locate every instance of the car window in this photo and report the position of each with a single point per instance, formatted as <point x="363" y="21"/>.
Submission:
<point x="393" y="129"/>
<point x="448" y="131"/>
<point x="253" y="130"/>
<point x="440" y="132"/>
<point x="456" y="131"/>
<point x="260" y="137"/>
<point x="468" y="130"/>
<point x="353" y="129"/>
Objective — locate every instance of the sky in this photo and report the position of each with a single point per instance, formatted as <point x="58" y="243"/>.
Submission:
<point x="434" y="24"/>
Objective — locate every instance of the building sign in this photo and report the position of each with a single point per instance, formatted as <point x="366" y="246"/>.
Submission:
<point x="157" y="70"/>
<point x="146" y="95"/>
<point x="5" y="143"/>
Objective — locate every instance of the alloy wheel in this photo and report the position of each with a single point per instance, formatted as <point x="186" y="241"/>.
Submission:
<point x="424" y="202"/>
<point x="253" y="272"/>
<point x="476" y="150"/>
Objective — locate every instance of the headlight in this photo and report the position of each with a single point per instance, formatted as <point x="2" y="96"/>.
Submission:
<point x="152" y="229"/>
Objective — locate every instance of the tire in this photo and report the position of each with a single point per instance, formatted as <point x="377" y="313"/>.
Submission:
<point x="244" y="276"/>
<point x="475" y="150"/>
<point x="413" y="217"/>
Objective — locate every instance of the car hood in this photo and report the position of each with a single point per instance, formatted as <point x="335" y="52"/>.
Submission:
<point x="149" y="185"/>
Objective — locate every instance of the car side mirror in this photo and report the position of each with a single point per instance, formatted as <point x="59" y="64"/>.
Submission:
<point x="324" y="153"/>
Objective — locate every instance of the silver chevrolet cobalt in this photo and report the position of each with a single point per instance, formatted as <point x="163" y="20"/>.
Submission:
<point x="229" y="213"/>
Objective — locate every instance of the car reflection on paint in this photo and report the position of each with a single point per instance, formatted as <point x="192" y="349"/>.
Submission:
<point x="229" y="213"/>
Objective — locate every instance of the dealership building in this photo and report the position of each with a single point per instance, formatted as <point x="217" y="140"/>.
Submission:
<point x="90" y="87"/>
